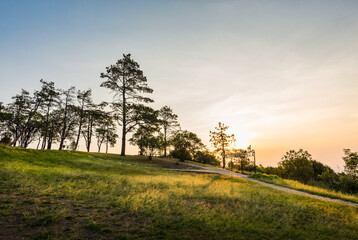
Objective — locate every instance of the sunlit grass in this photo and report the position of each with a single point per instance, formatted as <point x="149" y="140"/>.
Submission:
<point x="303" y="187"/>
<point x="66" y="195"/>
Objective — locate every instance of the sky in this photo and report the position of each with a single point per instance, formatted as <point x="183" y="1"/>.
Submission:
<point x="281" y="74"/>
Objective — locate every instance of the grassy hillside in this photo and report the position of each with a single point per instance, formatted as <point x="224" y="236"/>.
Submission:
<point x="303" y="187"/>
<point x="62" y="195"/>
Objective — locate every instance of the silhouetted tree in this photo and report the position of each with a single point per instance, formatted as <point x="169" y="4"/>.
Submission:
<point x="152" y="143"/>
<point x="297" y="165"/>
<point x="84" y="99"/>
<point x="169" y="123"/>
<point x="33" y="117"/>
<point x="93" y="117"/>
<point x="206" y="157"/>
<point x="51" y="99"/>
<point x="5" y="117"/>
<point x="319" y="168"/>
<point x="185" y="144"/>
<point x="111" y="137"/>
<point x="351" y="162"/>
<point x="55" y="126"/>
<point x="221" y="141"/>
<point x="19" y="110"/>
<point x="147" y="124"/>
<point x="127" y="81"/>
<point x="67" y="121"/>
<point x="106" y="131"/>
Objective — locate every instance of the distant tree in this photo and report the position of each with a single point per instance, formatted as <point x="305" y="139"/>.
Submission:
<point x="105" y="131"/>
<point x="186" y="144"/>
<point x="24" y="121"/>
<point x="111" y="137"/>
<point x="152" y="143"/>
<point x="297" y="165"/>
<point x="351" y="162"/>
<point x="221" y="141"/>
<point x="347" y="183"/>
<point x="237" y="158"/>
<point x="329" y="179"/>
<point x="28" y="116"/>
<point x="93" y="117"/>
<point x="33" y="117"/>
<point x="55" y="126"/>
<point x="169" y="123"/>
<point x="2" y="117"/>
<point x="18" y="109"/>
<point x="84" y="99"/>
<point x="5" y="117"/>
<point x="139" y="138"/>
<point x="147" y="127"/>
<point x="66" y="109"/>
<point x="51" y="99"/>
<point x="127" y="81"/>
<point x="319" y="168"/>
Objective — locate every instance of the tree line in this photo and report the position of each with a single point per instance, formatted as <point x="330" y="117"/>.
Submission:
<point x="300" y="166"/>
<point x="51" y="117"/>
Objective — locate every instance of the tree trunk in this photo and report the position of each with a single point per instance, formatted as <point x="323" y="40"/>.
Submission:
<point x="63" y="134"/>
<point x="224" y="158"/>
<point x="123" y="151"/>
<point x="16" y="137"/>
<point x="63" y="131"/>
<point x="89" y="135"/>
<point x="38" y="144"/>
<point x="223" y="149"/>
<point x="44" y="142"/>
<point x="165" y="142"/>
<point x="49" y="143"/>
<point x="79" y="128"/>
<point x="46" y="128"/>
<point x="78" y="135"/>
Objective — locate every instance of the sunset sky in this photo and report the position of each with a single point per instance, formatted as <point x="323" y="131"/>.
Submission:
<point x="282" y="74"/>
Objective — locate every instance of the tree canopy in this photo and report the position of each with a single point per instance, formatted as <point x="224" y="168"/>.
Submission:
<point x="221" y="140"/>
<point x="169" y="123"/>
<point x="351" y="162"/>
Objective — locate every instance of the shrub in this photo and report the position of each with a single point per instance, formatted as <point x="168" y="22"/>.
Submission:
<point x="206" y="158"/>
<point x="181" y="154"/>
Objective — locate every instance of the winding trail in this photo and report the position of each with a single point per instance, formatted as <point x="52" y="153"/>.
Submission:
<point x="204" y="169"/>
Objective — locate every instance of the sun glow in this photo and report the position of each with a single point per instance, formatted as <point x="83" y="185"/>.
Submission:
<point x="243" y="139"/>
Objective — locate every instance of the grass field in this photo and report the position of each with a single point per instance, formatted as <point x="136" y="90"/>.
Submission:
<point x="303" y="187"/>
<point x="73" y="195"/>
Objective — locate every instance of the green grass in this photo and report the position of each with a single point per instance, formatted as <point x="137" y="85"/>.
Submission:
<point x="303" y="187"/>
<point x="73" y="195"/>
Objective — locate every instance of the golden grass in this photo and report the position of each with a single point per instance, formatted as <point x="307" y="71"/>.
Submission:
<point x="64" y="195"/>
<point x="306" y="188"/>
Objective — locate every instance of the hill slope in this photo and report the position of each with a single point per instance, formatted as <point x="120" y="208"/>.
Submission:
<point x="61" y="195"/>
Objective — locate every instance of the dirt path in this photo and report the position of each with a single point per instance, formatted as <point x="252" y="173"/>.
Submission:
<point x="285" y="189"/>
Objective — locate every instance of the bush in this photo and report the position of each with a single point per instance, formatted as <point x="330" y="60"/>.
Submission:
<point x="328" y="178"/>
<point x="206" y="158"/>
<point x="347" y="184"/>
<point x="264" y="176"/>
<point x="181" y="154"/>
<point x="5" y="140"/>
